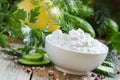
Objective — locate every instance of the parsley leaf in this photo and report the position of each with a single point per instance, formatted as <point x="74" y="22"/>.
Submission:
<point x="33" y="14"/>
<point x="10" y="20"/>
<point x="14" y="21"/>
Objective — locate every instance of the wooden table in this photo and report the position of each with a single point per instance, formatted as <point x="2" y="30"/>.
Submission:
<point x="10" y="70"/>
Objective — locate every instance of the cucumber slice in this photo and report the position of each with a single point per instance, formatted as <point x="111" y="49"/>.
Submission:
<point x="44" y="62"/>
<point x="33" y="56"/>
<point x="107" y="71"/>
<point x="107" y="64"/>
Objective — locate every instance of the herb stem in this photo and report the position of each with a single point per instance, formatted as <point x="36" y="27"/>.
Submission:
<point x="35" y="44"/>
<point x="0" y="5"/>
<point x="4" y="30"/>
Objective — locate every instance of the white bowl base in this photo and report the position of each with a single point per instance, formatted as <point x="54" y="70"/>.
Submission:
<point x="70" y="72"/>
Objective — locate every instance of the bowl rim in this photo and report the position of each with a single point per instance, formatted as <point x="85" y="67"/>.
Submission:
<point x="46" y="40"/>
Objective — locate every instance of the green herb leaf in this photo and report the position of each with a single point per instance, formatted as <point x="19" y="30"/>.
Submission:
<point x="16" y="32"/>
<point x="3" y="1"/>
<point x="19" y="14"/>
<point x="36" y="33"/>
<point x="3" y="40"/>
<point x="117" y="47"/>
<point x="115" y="37"/>
<point x="14" y="22"/>
<point x="114" y="41"/>
<point x="33" y="14"/>
<point x="11" y="17"/>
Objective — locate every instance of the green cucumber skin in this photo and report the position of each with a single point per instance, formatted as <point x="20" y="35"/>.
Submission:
<point x="33" y="57"/>
<point x="102" y="70"/>
<point x="107" y="64"/>
<point x="112" y="24"/>
<point x="81" y="23"/>
<point x="44" y="62"/>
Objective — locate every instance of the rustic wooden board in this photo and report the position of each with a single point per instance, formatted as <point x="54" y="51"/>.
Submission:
<point x="9" y="70"/>
<point x="43" y="74"/>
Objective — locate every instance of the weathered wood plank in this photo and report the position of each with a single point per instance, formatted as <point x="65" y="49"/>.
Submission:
<point x="40" y="74"/>
<point x="23" y="76"/>
<point x="3" y="66"/>
<point x="43" y="74"/>
<point x="11" y="71"/>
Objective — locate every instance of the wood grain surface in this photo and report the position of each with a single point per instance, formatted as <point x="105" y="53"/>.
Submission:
<point x="10" y="70"/>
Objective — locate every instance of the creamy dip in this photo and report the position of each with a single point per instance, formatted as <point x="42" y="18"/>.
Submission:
<point x="77" y="40"/>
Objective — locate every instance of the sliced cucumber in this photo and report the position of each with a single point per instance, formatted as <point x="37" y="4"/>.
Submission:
<point x="107" y="64"/>
<point x="43" y="62"/>
<point x="33" y="56"/>
<point x="107" y="71"/>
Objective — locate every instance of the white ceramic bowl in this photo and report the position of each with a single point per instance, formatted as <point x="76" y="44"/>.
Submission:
<point x="73" y="62"/>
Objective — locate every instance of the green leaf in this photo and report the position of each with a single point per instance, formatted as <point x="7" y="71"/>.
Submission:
<point x="4" y="7"/>
<point x="14" y="7"/>
<point x="12" y="23"/>
<point x="115" y="37"/>
<point x="1" y="17"/>
<point x="15" y="15"/>
<point x="36" y="33"/>
<point x="33" y="14"/>
<point x="3" y="1"/>
<point x="67" y="26"/>
<point x="11" y="2"/>
<point x="15" y="32"/>
<point x="114" y="41"/>
<point x="10" y="19"/>
<point x="85" y="11"/>
<point x="3" y="40"/>
<point x="117" y="46"/>
<point x="19" y="14"/>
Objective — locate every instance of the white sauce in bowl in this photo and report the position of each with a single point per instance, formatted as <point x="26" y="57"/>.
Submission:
<point x="77" y="40"/>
